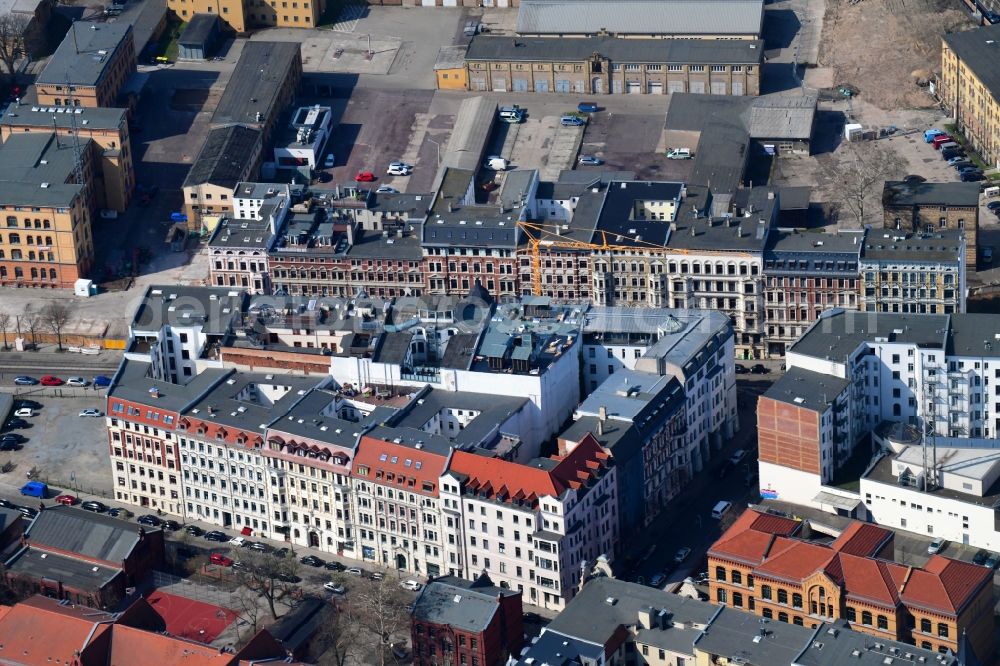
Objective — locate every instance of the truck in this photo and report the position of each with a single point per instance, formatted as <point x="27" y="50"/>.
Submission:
<point x="35" y="489"/>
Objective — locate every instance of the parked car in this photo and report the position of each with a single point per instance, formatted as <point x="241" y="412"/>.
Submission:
<point x="354" y="571"/>
<point x="50" y="380"/>
<point x="376" y="575"/>
<point x="102" y="381"/>
<point x="972" y="176"/>
<point x="980" y="557"/>
<point x="27" y="511"/>
<point x="399" y="169"/>
<point x="15" y="423"/>
<point x="35" y="489"/>
<point x="992" y="561"/>
<point x="24" y="412"/>
<point x="591" y="160"/>
<point x="281" y="552"/>
<point x="496" y="163"/>
<point x="930" y="134"/>
<point x="364" y="177"/>
<point x="194" y="530"/>
<point x="220" y="560"/>
<point x="679" y="154"/>
<point x="216" y="535"/>
<point x="936" y="546"/>
<point x="312" y="561"/>
<point x="738" y="456"/>
<point x="7" y="504"/>
<point x="759" y="369"/>
<point x="171" y="525"/>
<point x="95" y="506"/>
<point x="386" y="189"/>
<point x="24" y="402"/>
<point x="741" y="369"/>
<point x="967" y="169"/>
<point x="986" y="254"/>
<point x="335" y="566"/>
<point x="288" y="577"/>
<point x="938" y="139"/>
<point x="993" y="205"/>
<point x="24" y="380"/>
<point x="334" y="588"/>
<point x="8" y="445"/>
<point x="77" y="381"/>
<point x="587" y="107"/>
<point x="681" y="554"/>
<point x="962" y="164"/>
<point x="68" y="500"/>
<point x="149" y="519"/>
<point x="572" y="121"/>
<point x="260" y="547"/>
<point x="118" y="512"/>
<point x="411" y="585"/>
<point x="13" y="437"/>
<point x="329" y="161"/>
<point x="658" y="579"/>
<point x="91" y="411"/>
<point x="239" y="541"/>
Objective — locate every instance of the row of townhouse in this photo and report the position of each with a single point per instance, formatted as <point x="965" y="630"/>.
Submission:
<point x="610" y="239"/>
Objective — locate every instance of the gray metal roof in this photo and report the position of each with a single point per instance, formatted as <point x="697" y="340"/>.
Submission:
<point x="258" y="77"/>
<point x="84" y="60"/>
<point x="899" y="193"/>
<point x="974" y="334"/>
<point x="242" y="234"/>
<point x="225" y="157"/>
<point x="215" y="309"/>
<point x="309" y="418"/>
<point x="34" y="168"/>
<point x="782" y="116"/>
<point x="639" y="397"/>
<point x="83" y="118"/>
<point x="979" y="49"/>
<point x="838" y="332"/>
<point x="89" y="534"/>
<point x="372" y="244"/>
<point x="790" y="252"/>
<point x="834" y="644"/>
<point x="251" y="401"/>
<point x="491" y="412"/>
<point x="199" y="29"/>
<point x="450" y="57"/>
<point x="641" y="17"/>
<point x="473" y="124"/>
<point x="617" y="212"/>
<point x="944" y="246"/>
<point x="737" y="636"/>
<point x="72" y="572"/>
<point x="133" y="381"/>
<point x="462" y="604"/>
<point x="807" y="389"/>
<point x="617" y="50"/>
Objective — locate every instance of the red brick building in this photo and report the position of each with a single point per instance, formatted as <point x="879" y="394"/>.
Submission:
<point x="457" y="622"/>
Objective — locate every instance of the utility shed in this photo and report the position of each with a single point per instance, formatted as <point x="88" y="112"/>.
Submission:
<point x="199" y="37"/>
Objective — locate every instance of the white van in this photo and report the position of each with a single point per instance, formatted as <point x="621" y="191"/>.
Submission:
<point x="721" y="509"/>
<point x="511" y="114"/>
<point x="679" y="154"/>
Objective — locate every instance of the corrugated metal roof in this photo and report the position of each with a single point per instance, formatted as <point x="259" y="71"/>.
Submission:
<point x="641" y="17"/>
<point x="90" y="535"/>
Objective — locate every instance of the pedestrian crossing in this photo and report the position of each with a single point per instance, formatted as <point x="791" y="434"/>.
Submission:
<point x="347" y="19"/>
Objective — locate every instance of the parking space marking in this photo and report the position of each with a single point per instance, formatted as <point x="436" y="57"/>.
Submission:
<point x="347" y="19"/>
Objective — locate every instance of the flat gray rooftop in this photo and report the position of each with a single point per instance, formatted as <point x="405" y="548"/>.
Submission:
<point x="806" y="389"/>
<point x="838" y="333"/>
<point x="85" y="53"/>
<point x="256" y="81"/>
<point x="641" y="17"/>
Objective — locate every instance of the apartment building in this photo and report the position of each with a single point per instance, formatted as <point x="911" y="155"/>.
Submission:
<point x="142" y="416"/>
<point x="475" y="621"/>
<point x="761" y="564"/>
<point x="932" y="208"/>
<point x="530" y="527"/>
<point x="913" y="272"/>
<point x="804" y="274"/>
<point x="46" y="201"/>
<point x="109" y="141"/>
<point x="395" y="478"/>
<point x="969" y="90"/>
<point x="612" y="65"/>
<point x="231" y="155"/>
<point x="853" y="371"/>
<point x="238" y="248"/>
<point x="226" y="479"/>
<point x="263" y="85"/>
<point x="641" y="420"/>
<point x="90" y="66"/>
<point x="242" y="17"/>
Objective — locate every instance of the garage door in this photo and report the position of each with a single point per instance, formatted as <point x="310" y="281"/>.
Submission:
<point x="655" y="88"/>
<point x="675" y="86"/>
<point x="718" y="87"/>
<point x="499" y="84"/>
<point x="520" y="85"/>
<point x="450" y="3"/>
<point x="541" y="85"/>
<point x="698" y="87"/>
<point x="616" y="87"/>
<point x="562" y="85"/>
<point x="477" y="84"/>
<point x="428" y="3"/>
<point x="737" y="87"/>
<point x="633" y="87"/>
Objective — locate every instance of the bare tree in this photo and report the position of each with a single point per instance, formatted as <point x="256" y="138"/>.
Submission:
<point x="248" y="607"/>
<point x="14" y="38"/>
<point x="4" y="327"/>
<point x="378" y="607"/>
<point x="859" y="177"/>
<point x="55" y="316"/>
<point x="32" y="322"/>
<point x="268" y="575"/>
<point x="339" y="639"/>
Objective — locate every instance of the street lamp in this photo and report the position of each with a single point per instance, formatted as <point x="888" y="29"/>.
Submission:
<point x="438" y="146"/>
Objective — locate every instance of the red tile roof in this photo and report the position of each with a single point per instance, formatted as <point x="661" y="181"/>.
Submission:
<point x="127" y="643"/>
<point x="750" y="539"/>
<point x="800" y="560"/>
<point x="945" y="584"/>
<point x="40" y="631"/>
<point x="863" y="539"/>
<point x="404" y="463"/>
<point x="515" y="481"/>
<point x="868" y="579"/>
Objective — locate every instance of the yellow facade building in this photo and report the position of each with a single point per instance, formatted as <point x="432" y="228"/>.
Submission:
<point x="245" y="15"/>
<point x="90" y="67"/>
<point x="969" y="87"/>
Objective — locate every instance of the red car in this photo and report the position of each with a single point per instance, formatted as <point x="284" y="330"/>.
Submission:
<point x="939" y="139"/>
<point x="68" y="500"/>
<point x="220" y="559"/>
<point x="49" y="380"/>
<point x="365" y="177"/>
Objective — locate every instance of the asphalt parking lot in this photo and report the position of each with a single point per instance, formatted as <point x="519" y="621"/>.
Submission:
<point x="68" y="450"/>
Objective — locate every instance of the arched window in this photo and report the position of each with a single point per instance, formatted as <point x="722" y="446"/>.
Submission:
<point x="925" y="625"/>
<point x="765" y="591"/>
<point x="866" y="618"/>
<point x="720" y="573"/>
<point x="796" y="600"/>
<point x="883" y="622"/>
<point x="14" y="239"/>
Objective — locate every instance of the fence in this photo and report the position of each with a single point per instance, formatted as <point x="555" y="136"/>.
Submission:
<point x="182" y="587"/>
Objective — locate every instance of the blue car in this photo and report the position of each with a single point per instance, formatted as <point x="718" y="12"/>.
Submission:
<point x="102" y="381"/>
<point x="587" y="107"/>
<point x="572" y="121"/>
<point x="930" y="134"/>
